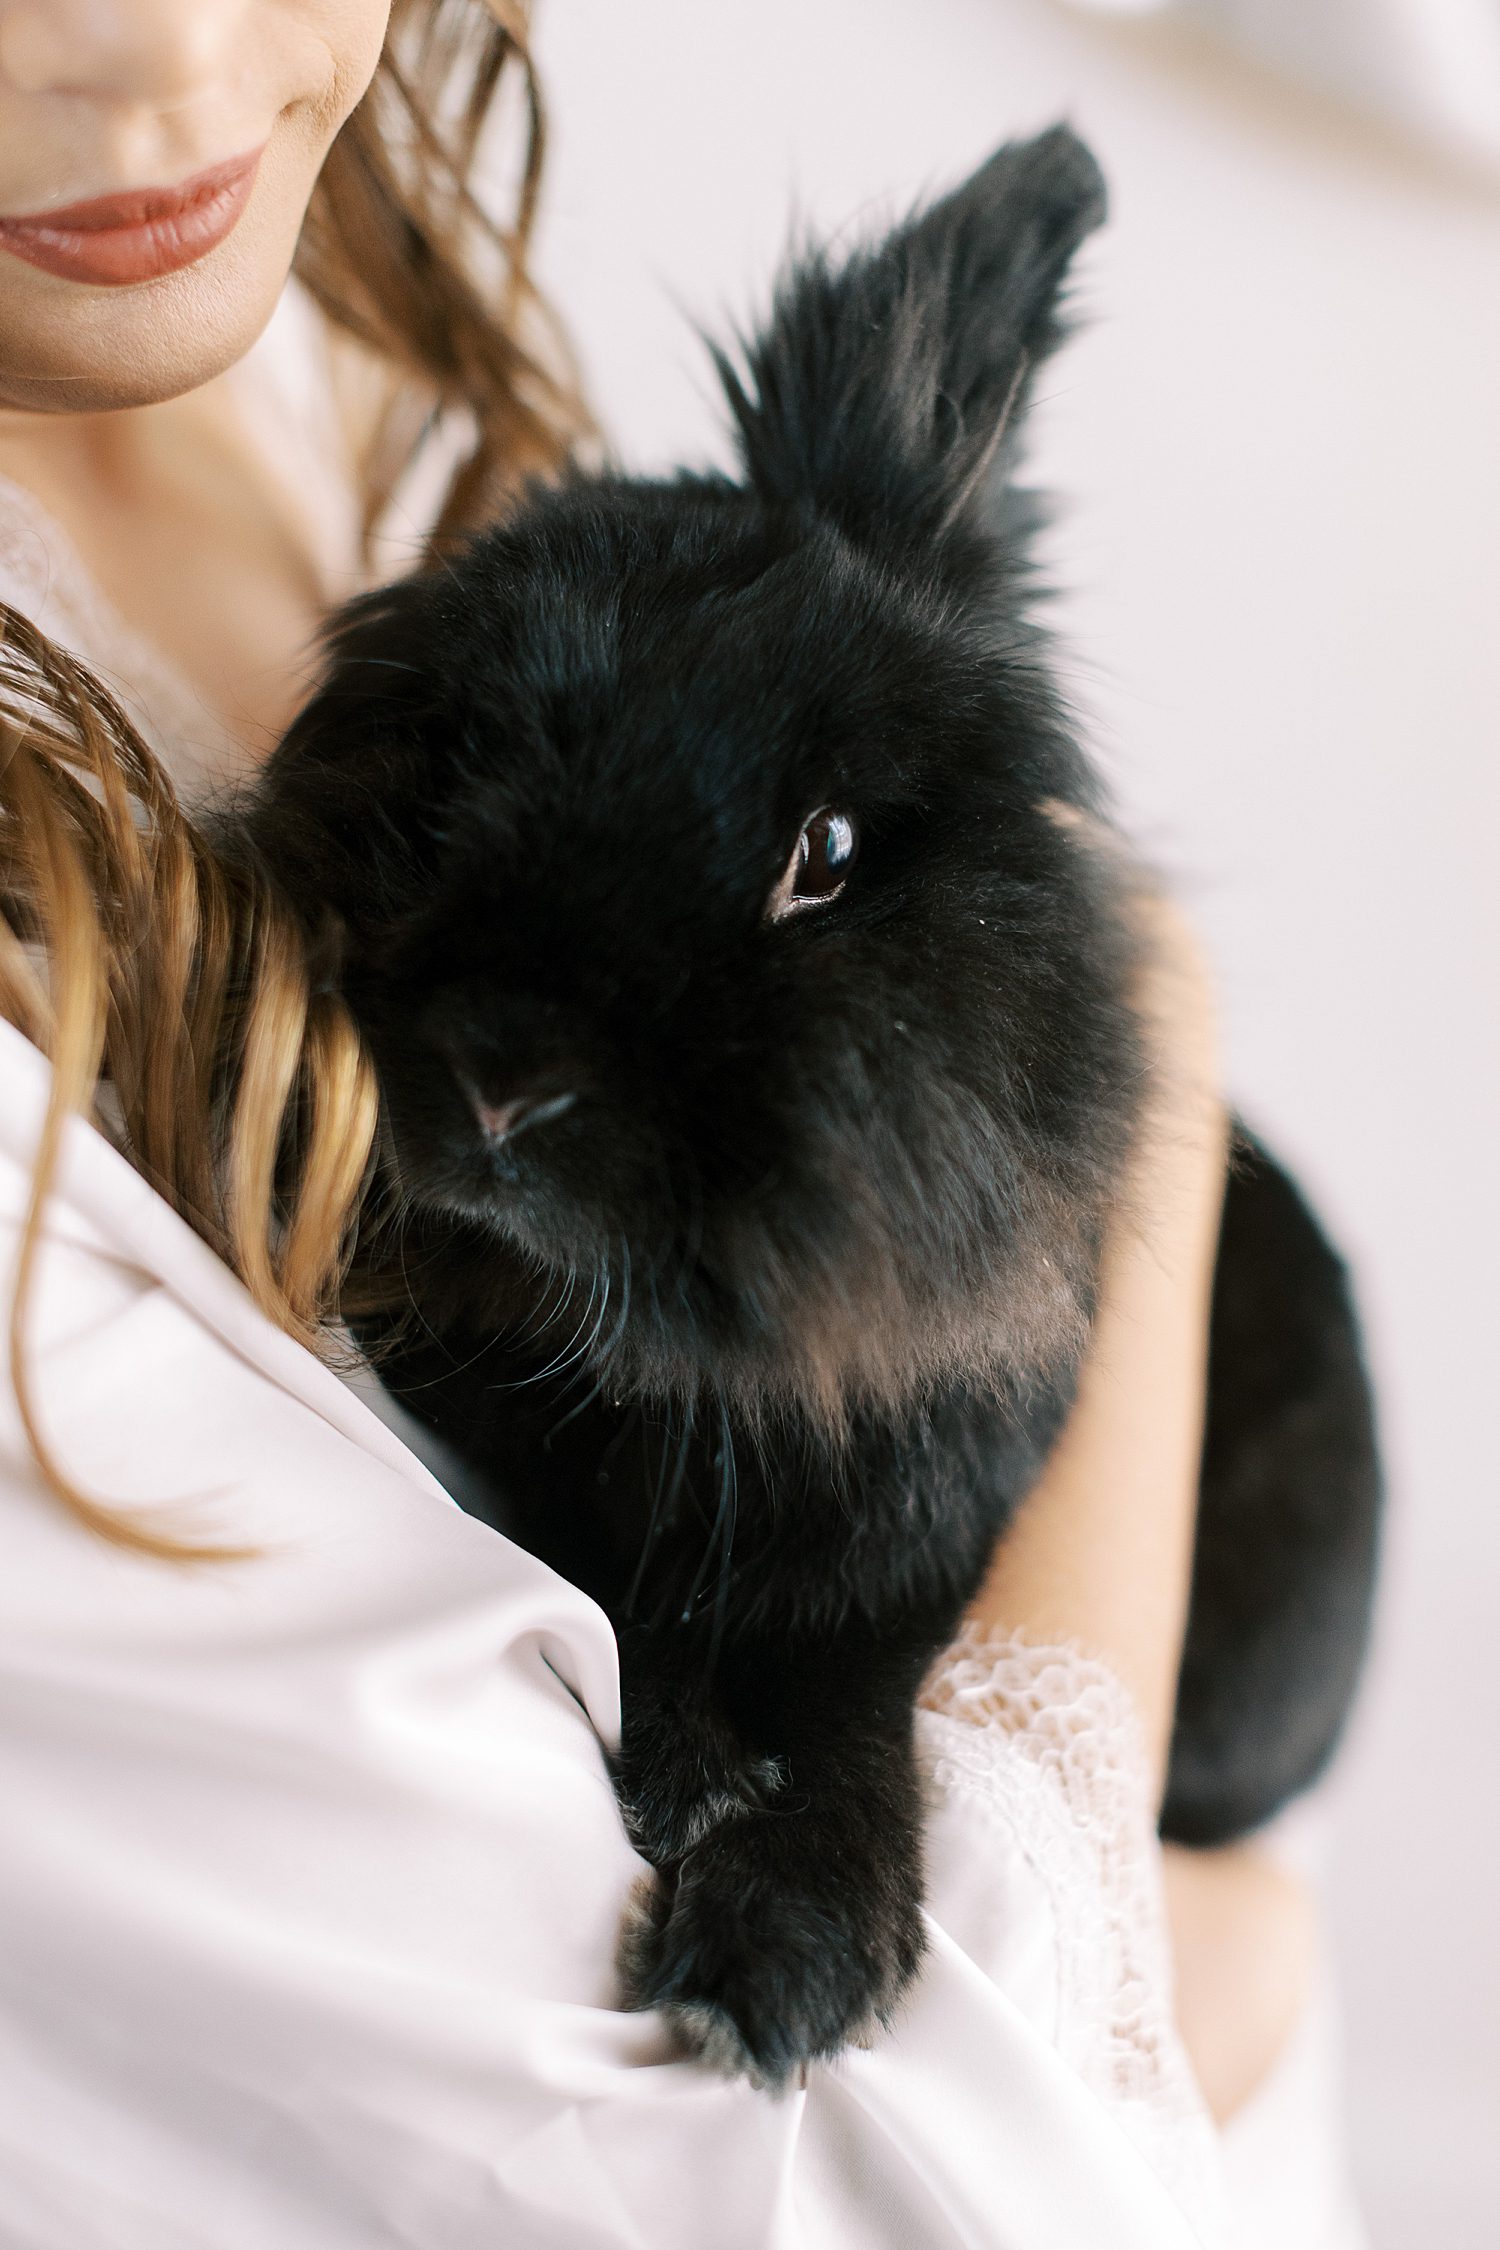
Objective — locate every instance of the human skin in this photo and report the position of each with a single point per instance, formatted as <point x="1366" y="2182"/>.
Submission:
<point x="111" y="408"/>
<point x="1100" y="1554"/>
<point x="98" y="96"/>
<point x="1101" y="1551"/>
<point x="115" y="415"/>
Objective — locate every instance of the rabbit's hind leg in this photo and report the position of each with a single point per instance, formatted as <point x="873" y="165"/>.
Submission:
<point x="1284" y="1568"/>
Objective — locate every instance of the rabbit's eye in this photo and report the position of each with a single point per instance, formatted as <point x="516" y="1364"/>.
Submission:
<point x="819" y="866"/>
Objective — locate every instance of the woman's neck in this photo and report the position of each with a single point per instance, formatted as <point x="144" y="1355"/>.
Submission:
<point x="66" y="451"/>
<point x="185" y="530"/>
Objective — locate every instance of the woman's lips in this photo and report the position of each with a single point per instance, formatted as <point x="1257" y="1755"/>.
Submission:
<point x="115" y="239"/>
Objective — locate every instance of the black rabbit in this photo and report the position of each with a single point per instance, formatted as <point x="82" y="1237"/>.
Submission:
<point x="757" y="1073"/>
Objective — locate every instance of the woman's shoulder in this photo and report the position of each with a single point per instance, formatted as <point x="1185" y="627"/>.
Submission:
<point x="162" y="1387"/>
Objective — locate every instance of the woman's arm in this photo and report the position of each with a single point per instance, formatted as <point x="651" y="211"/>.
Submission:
<point x="1101" y="1554"/>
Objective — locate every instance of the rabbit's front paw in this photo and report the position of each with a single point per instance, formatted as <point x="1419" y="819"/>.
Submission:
<point x="675" y="1793"/>
<point x="681" y="1769"/>
<point x="778" y="1945"/>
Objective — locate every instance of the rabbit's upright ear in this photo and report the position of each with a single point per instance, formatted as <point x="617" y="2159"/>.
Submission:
<point x="881" y="391"/>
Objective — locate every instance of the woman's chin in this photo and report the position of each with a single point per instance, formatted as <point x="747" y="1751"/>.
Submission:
<point x="83" y="347"/>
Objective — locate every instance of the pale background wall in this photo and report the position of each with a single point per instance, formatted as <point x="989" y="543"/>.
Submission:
<point x="1280" y="447"/>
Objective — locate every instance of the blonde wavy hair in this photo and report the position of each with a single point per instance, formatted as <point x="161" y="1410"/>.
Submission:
<point x="168" y="989"/>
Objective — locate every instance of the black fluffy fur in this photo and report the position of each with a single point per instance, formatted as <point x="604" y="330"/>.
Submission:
<point x="763" y="1338"/>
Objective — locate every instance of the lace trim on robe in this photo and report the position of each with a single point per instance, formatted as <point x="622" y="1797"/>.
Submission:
<point x="998" y="1716"/>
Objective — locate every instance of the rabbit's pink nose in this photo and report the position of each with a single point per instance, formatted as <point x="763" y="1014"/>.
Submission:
<point x="501" y="1121"/>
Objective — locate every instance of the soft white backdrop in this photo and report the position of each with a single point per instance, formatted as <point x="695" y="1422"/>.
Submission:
<point x="1279" y="446"/>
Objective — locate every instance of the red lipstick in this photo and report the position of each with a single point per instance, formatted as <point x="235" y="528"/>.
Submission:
<point x="115" y="239"/>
